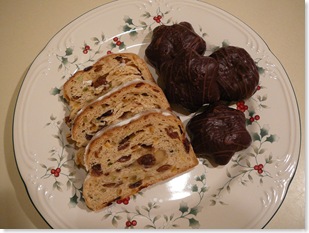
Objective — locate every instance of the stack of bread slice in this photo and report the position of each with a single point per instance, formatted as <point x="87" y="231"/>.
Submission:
<point x="125" y="134"/>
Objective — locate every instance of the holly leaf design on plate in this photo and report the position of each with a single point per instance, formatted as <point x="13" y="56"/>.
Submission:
<point x="193" y="223"/>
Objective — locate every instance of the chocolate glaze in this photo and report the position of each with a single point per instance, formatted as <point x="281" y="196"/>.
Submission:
<point x="168" y="41"/>
<point x="238" y="75"/>
<point x="218" y="133"/>
<point x="190" y="80"/>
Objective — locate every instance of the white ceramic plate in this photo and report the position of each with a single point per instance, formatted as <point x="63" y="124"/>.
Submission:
<point x="233" y="196"/>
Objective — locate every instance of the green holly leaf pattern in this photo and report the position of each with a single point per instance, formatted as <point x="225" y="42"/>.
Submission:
<point x="55" y="91"/>
<point x="68" y="51"/>
<point x="146" y="15"/>
<point x="122" y="46"/>
<point x="256" y="137"/>
<point x="73" y="200"/>
<point x="126" y="28"/>
<point x="183" y="207"/>
<point x="225" y="43"/>
<point x="272" y="138"/>
<point x="64" y="60"/>
<point x="193" y="223"/>
<point x="194" y="188"/>
<point x="128" y="20"/>
<point x="96" y="40"/>
<point x="133" y="34"/>
<point x="195" y="210"/>
<point x="263" y="132"/>
<point x="261" y="70"/>
<point x="114" y="221"/>
<point x="200" y="178"/>
<point x="262" y="98"/>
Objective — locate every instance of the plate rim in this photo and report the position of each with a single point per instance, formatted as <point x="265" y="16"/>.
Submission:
<point x="21" y="88"/>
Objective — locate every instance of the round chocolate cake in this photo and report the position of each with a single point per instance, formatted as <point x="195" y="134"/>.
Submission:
<point x="238" y="75"/>
<point x="218" y="133"/>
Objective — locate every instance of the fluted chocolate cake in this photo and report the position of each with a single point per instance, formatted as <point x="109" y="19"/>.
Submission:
<point x="191" y="80"/>
<point x="218" y="133"/>
<point x="168" y="41"/>
<point x="238" y="75"/>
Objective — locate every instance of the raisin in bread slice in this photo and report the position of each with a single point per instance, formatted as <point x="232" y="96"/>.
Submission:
<point x="123" y="159"/>
<point x="108" y="72"/>
<point x="117" y="105"/>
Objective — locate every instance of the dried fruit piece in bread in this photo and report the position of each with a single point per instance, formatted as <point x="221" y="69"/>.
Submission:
<point x="124" y="159"/>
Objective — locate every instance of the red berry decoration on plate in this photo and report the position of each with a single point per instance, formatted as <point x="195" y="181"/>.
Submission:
<point x="86" y="49"/>
<point x="119" y="201"/>
<point x="242" y="106"/>
<point x="117" y="41"/>
<point x="157" y="18"/>
<point x="124" y="201"/>
<point x="55" y="172"/>
<point x="257" y="117"/>
<point x="254" y="118"/>
<point x="133" y="222"/>
<point x="259" y="168"/>
<point x="128" y="223"/>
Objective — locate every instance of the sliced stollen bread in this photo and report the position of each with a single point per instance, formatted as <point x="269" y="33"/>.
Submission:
<point x="107" y="73"/>
<point x="125" y="158"/>
<point x="117" y="105"/>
